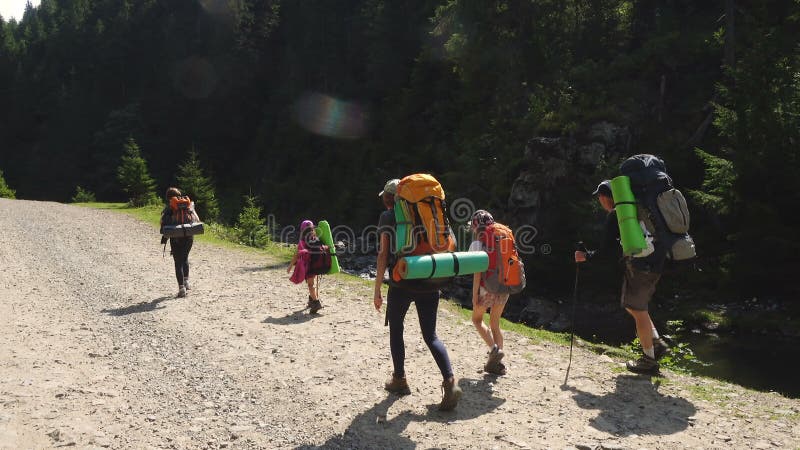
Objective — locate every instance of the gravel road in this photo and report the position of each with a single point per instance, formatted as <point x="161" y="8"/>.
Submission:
<point x="97" y="353"/>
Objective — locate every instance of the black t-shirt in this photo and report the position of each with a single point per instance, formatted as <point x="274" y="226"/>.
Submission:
<point x="610" y="248"/>
<point x="386" y="224"/>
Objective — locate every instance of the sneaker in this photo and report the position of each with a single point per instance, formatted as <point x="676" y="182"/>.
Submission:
<point x="496" y="368"/>
<point x="660" y="348"/>
<point x="495" y="355"/>
<point x="186" y="283"/>
<point x="397" y="385"/>
<point x="314" y="306"/>
<point x="181" y="292"/>
<point x="451" y="393"/>
<point x="644" y="364"/>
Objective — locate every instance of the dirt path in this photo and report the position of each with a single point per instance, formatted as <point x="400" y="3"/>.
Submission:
<point x="97" y="353"/>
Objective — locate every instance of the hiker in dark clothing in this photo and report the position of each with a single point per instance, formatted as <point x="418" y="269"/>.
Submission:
<point x="179" y="247"/>
<point x="398" y="302"/>
<point x="638" y="285"/>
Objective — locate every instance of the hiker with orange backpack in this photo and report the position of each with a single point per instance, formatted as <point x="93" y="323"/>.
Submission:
<point x="309" y="262"/>
<point x="178" y="211"/>
<point x="403" y="293"/>
<point x="491" y="289"/>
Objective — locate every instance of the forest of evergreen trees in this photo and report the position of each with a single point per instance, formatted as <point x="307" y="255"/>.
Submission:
<point x="311" y="105"/>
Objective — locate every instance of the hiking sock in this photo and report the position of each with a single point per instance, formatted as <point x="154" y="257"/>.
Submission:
<point x="655" y="333"/>
<point x="649" y="352"/>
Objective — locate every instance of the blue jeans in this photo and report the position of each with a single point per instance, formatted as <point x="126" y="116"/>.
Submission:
<point x="398" y="302"/>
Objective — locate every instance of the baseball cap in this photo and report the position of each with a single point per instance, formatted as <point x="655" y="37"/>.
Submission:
<point x="604" y="187"/>
<point x="390" y="187"/>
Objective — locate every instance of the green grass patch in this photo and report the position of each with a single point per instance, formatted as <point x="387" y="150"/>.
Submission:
<point x="708" y="391"/>
<point x="708" y="316"/>
<point x="215" y="234"/>
<point x="535" y="334"/>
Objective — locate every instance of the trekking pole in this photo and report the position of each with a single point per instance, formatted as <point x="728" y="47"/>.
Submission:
<point x="579" y="247"/>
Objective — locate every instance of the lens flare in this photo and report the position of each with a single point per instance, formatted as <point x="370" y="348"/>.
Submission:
<point x="327" y="116"/>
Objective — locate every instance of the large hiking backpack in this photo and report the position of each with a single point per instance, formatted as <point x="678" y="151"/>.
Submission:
<point x="420" y="210"/>
<point x="662" y="208"/>
<point x="422" y="226"/>
<point x="319" y="257"/>
<point x="181" y="219"/>
<point x="506" y="273"/>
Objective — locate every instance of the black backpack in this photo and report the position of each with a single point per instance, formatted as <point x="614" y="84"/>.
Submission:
<point x="319" y="257"/>
<point x="662" y="208"/>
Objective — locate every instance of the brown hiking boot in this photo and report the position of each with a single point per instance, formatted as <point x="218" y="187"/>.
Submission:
<point x="451" y="393"/>
<point x="496" y="368"/>
<point x="660" y="348"/>
<point x="645" y="365"/>
<point x="495" y="355"/>
<point x="397" y="385"/>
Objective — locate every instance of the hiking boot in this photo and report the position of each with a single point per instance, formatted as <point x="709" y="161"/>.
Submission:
<point x="314" y="306"/>
<point x="397" y="385"/>
<point x="451" y="393"/>
<point x="660" y="348"/>
<point x="496" y="368"/>
<point x="644" y="364"/>
<point x="181" y="292"/>
<point x="495" y="355"/>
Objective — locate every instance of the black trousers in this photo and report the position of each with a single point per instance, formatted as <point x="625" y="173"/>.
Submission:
<point x="179" y="249"/>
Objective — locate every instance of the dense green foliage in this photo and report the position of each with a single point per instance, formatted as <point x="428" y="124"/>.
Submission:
<point x="83" y="196"/>
<point x="250" y="225"/>
<point x="312" y="105"/>
<point x="199" y="188"/>
<point x="5" y="191"/>
<point x="134" y="177"/>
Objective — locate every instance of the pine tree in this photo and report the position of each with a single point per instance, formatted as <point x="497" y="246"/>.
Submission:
<point x="133" y="175"/>
<point x="5" y="191"/>
<point x="250" y="225"/>
<point x="199" y="187"/>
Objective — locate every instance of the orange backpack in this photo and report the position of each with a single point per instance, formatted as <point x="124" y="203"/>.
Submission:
<point x="422" y="224"/>
<point x="506" y="273"/>
<point x="182" y="210"/>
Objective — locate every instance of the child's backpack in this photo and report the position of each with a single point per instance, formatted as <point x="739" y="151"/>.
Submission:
<point x="662" y="208"/>
<point x="506" y="273"/>
<point x="319" y="257"/>
<point x="181" y="219"/>
<point x="422" y="226"/>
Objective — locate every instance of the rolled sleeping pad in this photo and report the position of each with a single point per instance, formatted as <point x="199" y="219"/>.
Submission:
<point x="441" y="265"/>
<point x="184" y="230"/>
<point x="630" y="231"/>
<point x="326" y="237"/>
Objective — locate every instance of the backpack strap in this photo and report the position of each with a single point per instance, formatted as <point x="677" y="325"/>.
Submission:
<point x="433" y="267"/>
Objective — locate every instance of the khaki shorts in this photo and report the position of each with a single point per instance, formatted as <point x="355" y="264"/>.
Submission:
<point x="488" y="300"/>
<point x="638" y="288"/>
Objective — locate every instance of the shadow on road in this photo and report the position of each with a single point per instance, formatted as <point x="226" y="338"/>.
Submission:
<point x="294" y="317"/>
<point x="273" y="266"/>
<point x="635" y="407"/>
<point x="137" y="308"/>
<point x="372" y="428"/>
